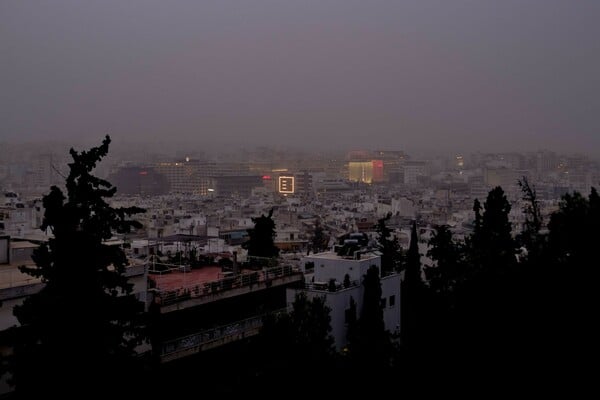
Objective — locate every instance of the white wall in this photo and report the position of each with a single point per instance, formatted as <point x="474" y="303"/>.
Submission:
<point x="390" y="286"/>
<point x="7" y="319"/>
<point x="338" y="302"/>
<point x="328" y="265"/>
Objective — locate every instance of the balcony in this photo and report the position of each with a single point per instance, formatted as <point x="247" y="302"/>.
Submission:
<point x="224" y="287"/>
<point x="211" y="338"/>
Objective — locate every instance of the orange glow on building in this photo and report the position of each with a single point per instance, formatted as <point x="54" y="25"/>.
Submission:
<point x="287" y="184"/>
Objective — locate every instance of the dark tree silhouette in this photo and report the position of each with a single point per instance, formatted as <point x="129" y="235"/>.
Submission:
<point x="533" y="215"/>
<point x="260" y="241"/>
<point x="412" y="291"/>
<point x="311" y="324"/>
<point x="572" y="278"/>
<point x="448" y="269"/>
<point x="352" y="321"/>
<point x="319" y="240"/>
<point x="495" y="237"/>
<point x="391" y="252"/>
<point x="297" y="342"/>
<point x="488" y="295"/>
<point x="369" y="342"/>
<point x="82" y="327"/>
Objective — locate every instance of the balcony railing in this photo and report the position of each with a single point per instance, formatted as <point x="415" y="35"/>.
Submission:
<point x="193" y="343"/>
<point x="330" y="286"/>
<point x="246" y="279"/>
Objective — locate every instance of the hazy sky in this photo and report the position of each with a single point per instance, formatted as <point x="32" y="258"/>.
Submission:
<point x="403" y="74"/>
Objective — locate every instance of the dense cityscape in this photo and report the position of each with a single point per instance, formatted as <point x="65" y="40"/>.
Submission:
<point x="207" y="283"/>
<point x="298" y="198"/>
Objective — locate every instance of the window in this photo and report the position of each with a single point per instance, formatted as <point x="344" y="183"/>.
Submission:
<point x="392" y="301"/>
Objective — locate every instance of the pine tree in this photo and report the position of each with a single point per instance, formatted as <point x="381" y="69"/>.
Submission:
<point x="260" y="243"/>
<point x="85" y="319"/>
<point x="319" y="241"/>
<point x="391" y="252"/>
<point x="311" y="324"/>
<point x="299" y="341"/>
<point x="492" y="249"/>
<point x="448" y="270"/>
<point x="533" y="214"/>
<point x="487" y="296"/>
<point x="573" y="275"/>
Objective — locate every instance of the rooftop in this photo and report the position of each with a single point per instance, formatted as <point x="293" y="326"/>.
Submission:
<point x="175" y="279"/>
<point x="330" y="255"/>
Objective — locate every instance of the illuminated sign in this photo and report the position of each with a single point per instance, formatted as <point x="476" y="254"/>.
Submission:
<point x="286" y="184"/>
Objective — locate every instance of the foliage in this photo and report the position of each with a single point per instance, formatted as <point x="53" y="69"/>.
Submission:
<point x="85" y="317"/>
<point x="319" y="239"/>
<point x="299" y="339"/>
<point x="391" y="252"/>
<point x="448" y="257"/>
<point x="492" y="248"/>
<point x="260" y="241"/>
<point x="412" y="291"/>
<point x="369" y="343"/>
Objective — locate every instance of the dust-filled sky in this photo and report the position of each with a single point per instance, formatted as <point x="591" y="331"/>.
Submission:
<point x="403" y="74"/>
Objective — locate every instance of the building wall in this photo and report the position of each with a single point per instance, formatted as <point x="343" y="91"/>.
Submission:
<point x="390" y="286"/>
<point x="7" y="319"/>
<point x="360" y="171"/>
<point x="240" y="185"/>
<point x="328" y="265"/>
<point x="139" y="181"/>
<point x="339" y="301"/>
<point x="413" y="170"/>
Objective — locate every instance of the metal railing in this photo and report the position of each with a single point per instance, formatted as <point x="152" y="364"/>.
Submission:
<point x="329" y="287"/>
<point x="246" y="279"/>
<point x="206" y="336"/>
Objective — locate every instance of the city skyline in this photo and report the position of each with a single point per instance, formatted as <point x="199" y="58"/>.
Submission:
<point x="418" y="76"/>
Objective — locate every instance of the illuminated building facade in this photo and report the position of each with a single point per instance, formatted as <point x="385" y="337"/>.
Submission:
<point x="286" y="185"/>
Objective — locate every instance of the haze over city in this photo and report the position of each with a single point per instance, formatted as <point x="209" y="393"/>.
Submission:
<point x="413" y="75"/>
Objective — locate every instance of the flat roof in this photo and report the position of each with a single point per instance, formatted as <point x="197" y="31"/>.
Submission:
<point x="178" y="279"/>
<point x="23" y="245"/>
<point x="330" y="255"/>
<point x="179" y="238"/>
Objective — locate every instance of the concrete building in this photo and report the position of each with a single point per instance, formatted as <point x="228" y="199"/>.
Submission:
<point x="339" y="279"/>
<point x="413" y="170"/>
<point x="182" y="176"/>
<point x="137" y="180"/>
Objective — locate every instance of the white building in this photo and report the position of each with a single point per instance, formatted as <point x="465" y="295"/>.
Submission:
<point x="328" y="279"/>
<point x="413" y="170"/>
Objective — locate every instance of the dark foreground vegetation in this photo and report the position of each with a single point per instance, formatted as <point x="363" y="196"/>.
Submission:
<point x="499" y="308"/>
